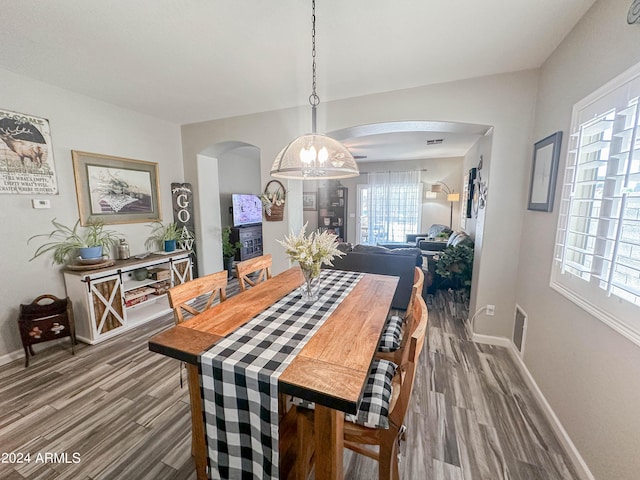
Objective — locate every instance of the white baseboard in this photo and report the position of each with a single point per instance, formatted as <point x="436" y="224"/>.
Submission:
<point x="575" y="457"/>
<point x="38" y="347"/>
<point x="489" y="340"/>
<point x="11" y="356"/>
<point x="82" y="339"/>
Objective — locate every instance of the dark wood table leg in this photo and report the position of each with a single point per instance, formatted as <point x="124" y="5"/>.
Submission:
<point x="329" y="428"/>
<point x="198" y="442"/>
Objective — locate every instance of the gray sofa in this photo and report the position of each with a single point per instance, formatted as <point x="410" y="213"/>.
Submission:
<point x="399" y="262"/>
<point x="430" y="234"/>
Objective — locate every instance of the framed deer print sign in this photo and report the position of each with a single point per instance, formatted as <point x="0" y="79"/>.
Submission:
<point x="26" y="155"/>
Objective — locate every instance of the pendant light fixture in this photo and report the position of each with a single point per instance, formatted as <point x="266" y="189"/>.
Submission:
<point x="314" y="155"/>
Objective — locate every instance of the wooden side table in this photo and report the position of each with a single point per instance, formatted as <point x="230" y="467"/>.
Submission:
<point x="41" y="322"/>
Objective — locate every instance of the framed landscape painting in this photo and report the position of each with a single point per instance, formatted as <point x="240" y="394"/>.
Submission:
<point x="115" y="190"/>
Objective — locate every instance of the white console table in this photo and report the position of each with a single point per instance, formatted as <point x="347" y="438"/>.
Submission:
<point x="108" y="301"/>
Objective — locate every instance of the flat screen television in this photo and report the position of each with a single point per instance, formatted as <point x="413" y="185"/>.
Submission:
<point x="247" y="209"/>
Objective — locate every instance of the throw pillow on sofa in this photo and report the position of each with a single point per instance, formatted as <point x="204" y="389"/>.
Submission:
<point x="390" y="251"/>
<point x="345" y="247"/>
<point x="370" y="249"/>
<point x="436" y="229"/>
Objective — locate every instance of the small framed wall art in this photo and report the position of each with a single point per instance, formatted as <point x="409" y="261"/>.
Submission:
<point x="546" y="155"/>
<point x="310" y="200"/>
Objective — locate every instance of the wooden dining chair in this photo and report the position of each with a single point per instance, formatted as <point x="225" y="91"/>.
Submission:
<point x="418" y="283"/>
<point x="394" y="336"/>
<point x="253" y="271"/>
<point x="181" y="296"/>
<point x="382" y="409"/>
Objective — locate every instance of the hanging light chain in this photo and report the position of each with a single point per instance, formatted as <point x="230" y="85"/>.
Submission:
<point x="314" y="100"/>
<point x="314" y="155"/>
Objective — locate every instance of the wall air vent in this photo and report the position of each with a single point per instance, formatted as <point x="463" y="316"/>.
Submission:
<point x="520" y="329"/>
<point x="436" y="141"/>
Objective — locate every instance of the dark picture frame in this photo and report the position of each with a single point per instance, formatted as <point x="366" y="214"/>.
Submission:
<point x="471" y="182"/>
<point x="115" y="190"/>
<point x="310" y="201"/>
<point x="544" y="172"/>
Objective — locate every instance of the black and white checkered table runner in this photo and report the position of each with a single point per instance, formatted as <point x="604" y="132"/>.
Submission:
<point x="240" y="379"/>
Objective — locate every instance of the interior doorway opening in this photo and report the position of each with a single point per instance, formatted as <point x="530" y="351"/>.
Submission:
<point x="444" y="152"/>
<point x="223" y="169"/>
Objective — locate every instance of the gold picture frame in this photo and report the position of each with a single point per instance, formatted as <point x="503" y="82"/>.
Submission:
<point x="116" y="190"/>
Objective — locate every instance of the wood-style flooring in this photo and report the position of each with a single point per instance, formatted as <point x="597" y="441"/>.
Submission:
<point x="120" y="408"/>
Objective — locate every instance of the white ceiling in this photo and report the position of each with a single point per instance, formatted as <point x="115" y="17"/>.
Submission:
<point x="410" y="140"/>
<point x="194" y="60"/>
<point x="408" y="146"/>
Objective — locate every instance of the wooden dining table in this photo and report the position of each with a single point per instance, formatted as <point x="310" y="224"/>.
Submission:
<point x="330" y="370"/>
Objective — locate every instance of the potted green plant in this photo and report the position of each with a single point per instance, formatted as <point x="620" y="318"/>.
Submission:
<point x="163" y="236"/>
<point x="229" y="249"/>
<point x="455" y="267"/>
<point x="90" y="242"/>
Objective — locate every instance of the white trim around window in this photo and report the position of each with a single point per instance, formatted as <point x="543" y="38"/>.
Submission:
<point x="596" y="262"/>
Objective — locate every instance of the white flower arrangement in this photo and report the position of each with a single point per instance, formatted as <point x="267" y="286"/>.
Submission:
<point x="312" y="251"/>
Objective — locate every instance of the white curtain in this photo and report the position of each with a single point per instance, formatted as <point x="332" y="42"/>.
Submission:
<point x="393" y="206"/>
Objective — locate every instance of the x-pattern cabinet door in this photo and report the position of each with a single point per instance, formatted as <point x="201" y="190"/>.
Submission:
<point x="106" y="304"/>
<point x="181" y="271"/>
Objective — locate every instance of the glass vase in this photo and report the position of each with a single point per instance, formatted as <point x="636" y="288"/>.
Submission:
<point x="310" y="289"/>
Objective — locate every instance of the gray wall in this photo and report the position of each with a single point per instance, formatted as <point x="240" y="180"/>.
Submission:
<point x="77" y="123"/>
<point x="239" y="172"/>
<point x="506" y="102"/>
<point x="588" y="372"/>
<point x="475" y="226"/>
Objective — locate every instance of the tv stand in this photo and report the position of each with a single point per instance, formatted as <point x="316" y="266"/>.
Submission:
<point x="250" y="238"/>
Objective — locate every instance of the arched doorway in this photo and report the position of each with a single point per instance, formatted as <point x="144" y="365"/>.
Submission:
<point x="409" y="143"/>
<point x="224" y="168"/>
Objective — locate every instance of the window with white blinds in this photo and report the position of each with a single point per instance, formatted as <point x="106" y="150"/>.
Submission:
<point x="597" y="254"/>
<point x="389" y="207"/>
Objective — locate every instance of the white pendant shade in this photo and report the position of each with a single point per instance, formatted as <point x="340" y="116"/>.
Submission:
<point x="314" y="156"/>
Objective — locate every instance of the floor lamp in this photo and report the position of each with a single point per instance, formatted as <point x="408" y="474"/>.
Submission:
<point x="452" y="197"/>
